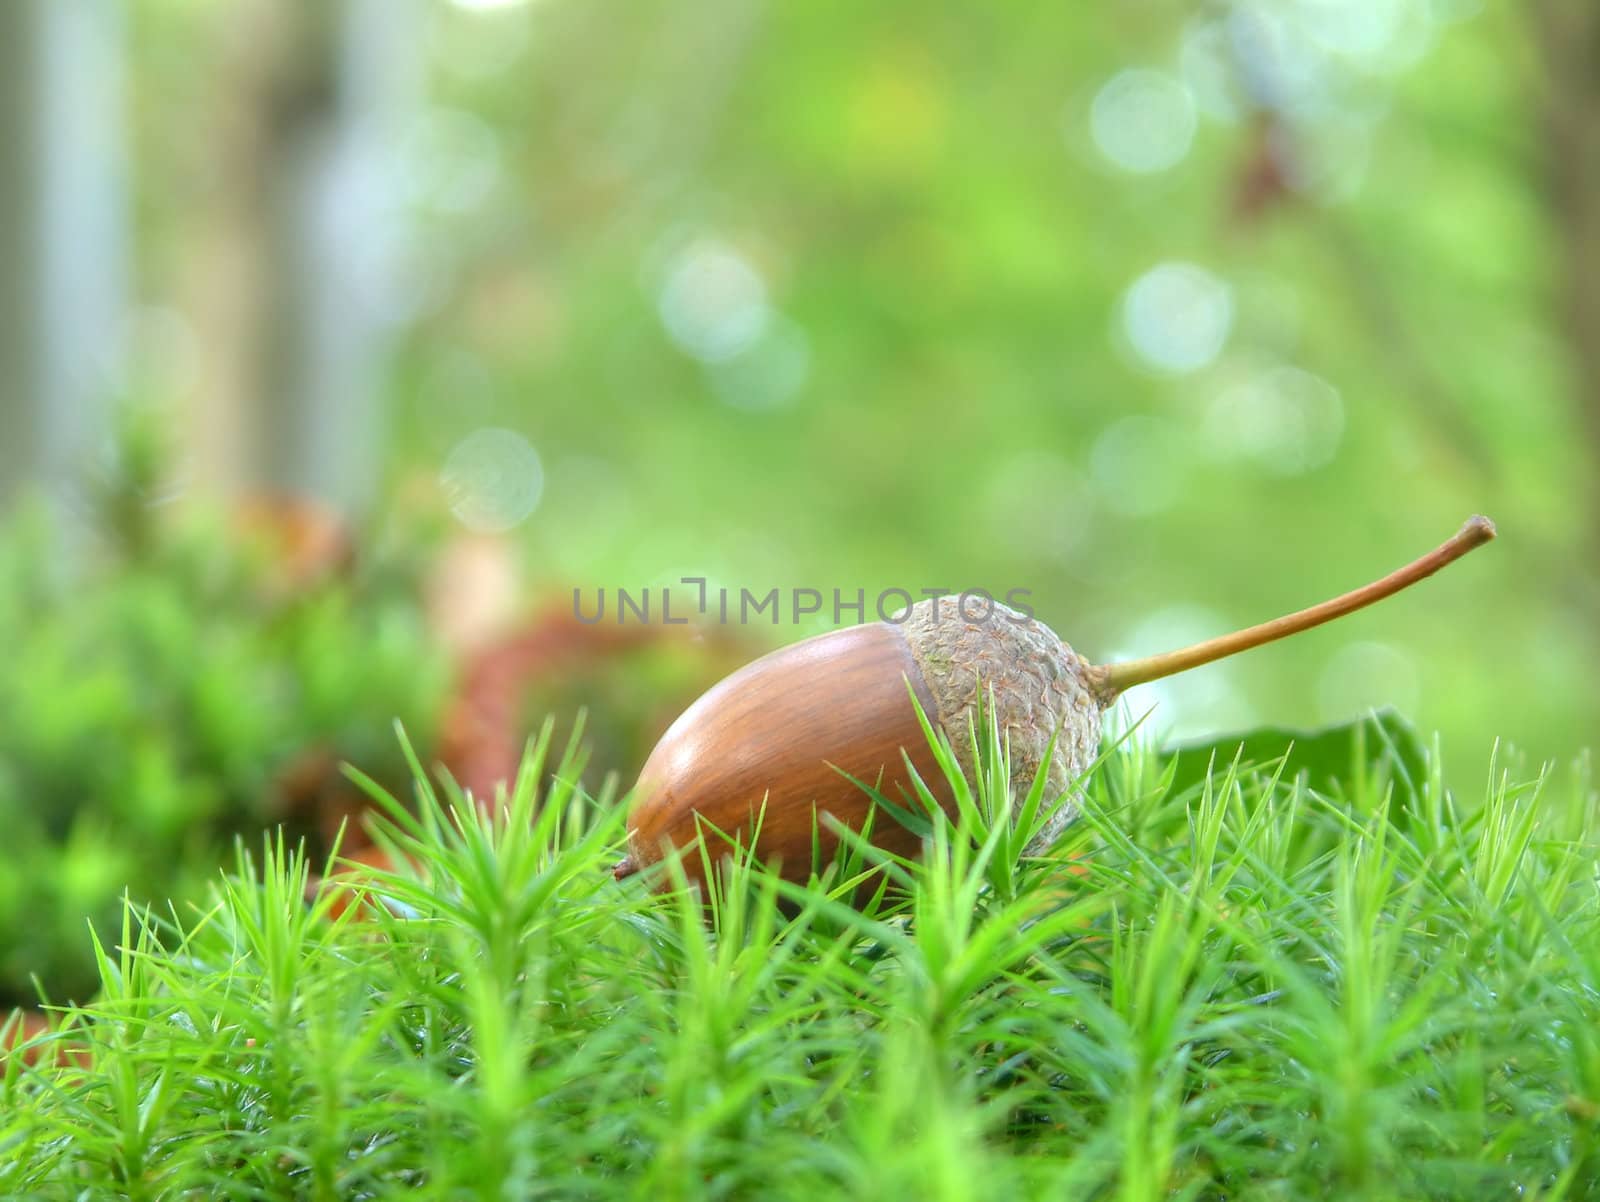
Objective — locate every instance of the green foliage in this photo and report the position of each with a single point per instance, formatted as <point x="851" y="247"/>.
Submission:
<point x="1383" y="742"/>
<point x="1185" y="998"/>
<point x="152" y="703"/>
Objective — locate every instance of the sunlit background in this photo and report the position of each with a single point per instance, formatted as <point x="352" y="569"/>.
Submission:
<point x="1179" y="315"/>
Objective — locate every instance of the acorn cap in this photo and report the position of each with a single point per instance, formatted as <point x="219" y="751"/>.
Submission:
<point x="1040" y="688"/>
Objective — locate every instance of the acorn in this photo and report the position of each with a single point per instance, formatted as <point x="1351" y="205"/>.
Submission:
<point x="767" y="750"/>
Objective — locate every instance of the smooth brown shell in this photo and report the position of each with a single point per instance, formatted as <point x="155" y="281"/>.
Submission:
<point x="781" y="729"/>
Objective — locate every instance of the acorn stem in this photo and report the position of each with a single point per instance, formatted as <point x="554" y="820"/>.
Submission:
<point x="1110" y="679"/>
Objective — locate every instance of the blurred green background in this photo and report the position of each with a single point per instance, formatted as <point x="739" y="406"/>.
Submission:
<point x="1179" y="315"/>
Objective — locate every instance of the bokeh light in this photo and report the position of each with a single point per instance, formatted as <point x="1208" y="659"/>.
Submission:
<point x="1206" y="64"/>
<point x="493" y="479"/>
<point x="450" y="160"/>
<point x="1177" y="317"/>
<point x="767" y="374"/>
<point x="713" y="302"/>
<point x="486" y="6"/>
<point x="1384" y="34"/>
<point x="1286" y="420"/>
<point x="1143" y="120"/>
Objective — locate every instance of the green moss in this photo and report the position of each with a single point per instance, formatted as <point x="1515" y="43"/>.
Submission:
<point x="1239" y="988"/>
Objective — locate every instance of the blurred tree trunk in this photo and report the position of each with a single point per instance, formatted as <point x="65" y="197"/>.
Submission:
<point x="62" y="237"/>
<point x="1569" y="36"/>
<point x="297" y="289"/>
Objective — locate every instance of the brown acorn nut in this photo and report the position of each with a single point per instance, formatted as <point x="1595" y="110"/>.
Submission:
<point x="773" y="740"/>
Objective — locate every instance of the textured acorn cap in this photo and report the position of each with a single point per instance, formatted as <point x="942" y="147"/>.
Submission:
<point x="1041" y="687"/>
